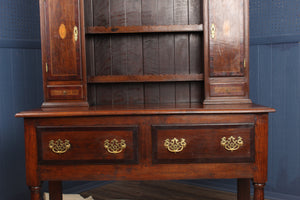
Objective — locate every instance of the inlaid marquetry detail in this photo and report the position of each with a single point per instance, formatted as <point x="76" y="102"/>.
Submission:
<point x="62" y="31"/>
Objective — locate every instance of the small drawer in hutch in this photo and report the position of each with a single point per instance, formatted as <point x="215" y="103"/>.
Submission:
<point x="117" y="145"/>
<point x="227" y="90"/>
<point x="209" y="143"/>
<point x="65" y="92"/>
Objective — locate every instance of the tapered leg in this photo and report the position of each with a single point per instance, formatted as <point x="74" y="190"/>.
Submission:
<point x="243" y="189"/>
<point x="55" y="190"/>
<point x="35" y="192"/>
<point x="258" y="191"/>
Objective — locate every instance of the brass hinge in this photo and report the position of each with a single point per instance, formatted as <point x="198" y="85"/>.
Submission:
<point x="47" y="68"/>
<point x="244" y="63"/>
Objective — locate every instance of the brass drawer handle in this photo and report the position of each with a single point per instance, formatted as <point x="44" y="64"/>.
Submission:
<point x="175" y="145"/>
<point x="213" y="31"/>
<point x="232" y="144"/>
<point x="114" y="146"/>
<point x="59" y="146"/>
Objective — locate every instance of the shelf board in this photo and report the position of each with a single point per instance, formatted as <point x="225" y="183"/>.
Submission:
<point x="144" y="29"/>
<point x="145" y="78"/>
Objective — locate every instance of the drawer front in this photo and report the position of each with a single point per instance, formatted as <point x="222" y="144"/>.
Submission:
<point x="227" y="90"/>
<point x="65" y="92"/>
<point x="87" y="144"/>
<point x="214" y="143"/>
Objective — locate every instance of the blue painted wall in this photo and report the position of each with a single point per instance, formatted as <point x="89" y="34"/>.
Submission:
<point x="20" y="89"/>
<point x="274" y="75"/>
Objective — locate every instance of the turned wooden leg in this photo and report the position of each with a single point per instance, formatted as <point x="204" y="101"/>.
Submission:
<point x="258" y="191"/>
<point x="35" y="192"/>
<point x="55" y="190"/>
<point x="243" y="189"/>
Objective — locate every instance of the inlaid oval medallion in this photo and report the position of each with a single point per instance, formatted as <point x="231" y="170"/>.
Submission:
<point x="62" y="31"/>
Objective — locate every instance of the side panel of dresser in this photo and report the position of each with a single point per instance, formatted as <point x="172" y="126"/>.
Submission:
<point x="226" y="34"/>
<point x="63" y="68"/>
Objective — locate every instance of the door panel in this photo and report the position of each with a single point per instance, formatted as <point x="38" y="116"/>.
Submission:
<point x="63" y="50"/>
<point x="226" y="37"/>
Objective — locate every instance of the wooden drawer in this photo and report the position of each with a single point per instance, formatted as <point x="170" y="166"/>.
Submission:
<point x="215" y="143"/>
<point x="87" y="144"/>
<point x="227" y="90"/>
<point x="65" y="92"/>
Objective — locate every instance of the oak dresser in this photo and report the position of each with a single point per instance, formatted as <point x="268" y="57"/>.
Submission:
<point x="145" y="90"/>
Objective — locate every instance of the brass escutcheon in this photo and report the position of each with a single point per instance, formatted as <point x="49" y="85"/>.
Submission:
<point x="175" y="145"/>
<point x="59" y="146"/>
<point x="213" y="31"/>
<point x="232" y="144"/>
<point x="75" y="32"/>
<point x="114" y="146"/>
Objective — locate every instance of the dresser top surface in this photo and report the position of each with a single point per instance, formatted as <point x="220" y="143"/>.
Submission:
<point x="149" y="109"/>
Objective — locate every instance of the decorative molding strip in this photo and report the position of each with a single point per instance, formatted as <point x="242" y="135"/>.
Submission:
<point x="288" y="38"/>
<point x="20" y="44"/>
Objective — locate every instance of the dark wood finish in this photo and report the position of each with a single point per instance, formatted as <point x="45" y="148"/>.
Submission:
<point x="226" y="44"/>
<point x="243" y="189"/>
<point x="203" y="143"/>
<point x="227" y="90"/>
<point x="63" y="53"/>
<point x="77" y="126"/>
<point x="145" y="85"/>
<point x="65" y="92"/>
<point x="87" y="144"/>
<point x="144" y="29"/>
<point x="145" y="109"/>
<point x="145" y="78"/>
<point x="35" y="193"/>
<point x="55" y="190"/>
<point x="259" y="191"/>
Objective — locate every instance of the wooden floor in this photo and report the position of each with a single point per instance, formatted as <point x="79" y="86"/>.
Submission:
<point x="155" y="190"/>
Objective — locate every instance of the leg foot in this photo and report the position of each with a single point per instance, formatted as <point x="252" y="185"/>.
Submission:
<point x="35" y="192"/>
<point x="258" y="191"/>
<point x="55" y="190"/>
<point x="243" y="189"/>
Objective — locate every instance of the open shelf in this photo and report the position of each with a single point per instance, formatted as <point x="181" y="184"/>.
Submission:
<point x="144" y="29"/>
<point x="145" y="78"/>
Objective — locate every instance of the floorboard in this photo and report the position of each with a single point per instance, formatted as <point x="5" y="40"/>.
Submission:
<point x="155" y="190"/>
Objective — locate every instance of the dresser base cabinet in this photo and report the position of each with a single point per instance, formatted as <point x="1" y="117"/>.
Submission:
<point x="146" y="144"/>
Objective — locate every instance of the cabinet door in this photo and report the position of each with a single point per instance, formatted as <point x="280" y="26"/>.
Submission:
<point x="62" y="35"/>
<point x="226" y="22"/>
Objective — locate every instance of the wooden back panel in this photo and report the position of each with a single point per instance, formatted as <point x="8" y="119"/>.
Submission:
<point x="144" y="53"/>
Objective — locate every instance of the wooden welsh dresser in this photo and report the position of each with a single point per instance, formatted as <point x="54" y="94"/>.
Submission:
<point x="145" y="90"/>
